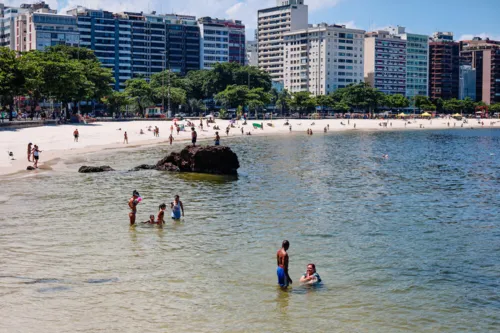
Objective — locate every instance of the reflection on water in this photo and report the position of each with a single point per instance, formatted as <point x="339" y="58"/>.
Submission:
<point x="408" y="243"/>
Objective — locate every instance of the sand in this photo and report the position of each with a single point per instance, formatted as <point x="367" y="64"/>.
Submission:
<point x="57" y="142"/>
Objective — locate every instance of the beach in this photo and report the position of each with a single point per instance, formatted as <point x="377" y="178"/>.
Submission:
<point x="56" y="142"/>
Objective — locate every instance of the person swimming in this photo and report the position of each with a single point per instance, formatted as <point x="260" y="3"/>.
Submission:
<point x="177" y="208"/>
<point x="151" y="220"/>
<point x="310" y="276"/>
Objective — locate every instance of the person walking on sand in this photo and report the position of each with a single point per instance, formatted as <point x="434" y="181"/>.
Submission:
<point x="217" y="139"/>
<point x="125" y="137"/>
<point x="36" y="156"/>
<point x="227" y="131"/>
<point x="177" y="208"/>
<point x="30" y="151"/>
<point x="290" y="128"/>
<point x="171" y="138"/>
<point x="132" y="204"/>
<point x="282" y="261"/>
<point x="242" y="131"/>
<point x="76" y="135"/>
<point x="194" y="136"/>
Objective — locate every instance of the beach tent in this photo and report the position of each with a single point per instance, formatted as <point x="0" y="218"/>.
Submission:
<point x="426" y="114"/>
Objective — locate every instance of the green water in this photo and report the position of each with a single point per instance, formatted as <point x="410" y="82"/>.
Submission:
<point x="409" y="243"/>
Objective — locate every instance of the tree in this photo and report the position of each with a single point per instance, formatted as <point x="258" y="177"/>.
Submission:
<point x="399" y="101"/>
<point x="420" y="101"/>
<point x="196" y="105"/>
<point x="233" y="96"/>
<point x="257" y="98"/>
<point x="140" y="92"/>
<point x="452" y="105"/>
<point x="302" y="101"/>
<point x="11" y="79"/>
<point x="283" y="100"/>
<point x="439" y="104"/>
<point x="468" y="105"/>
<point x="32" y="67"/>
<point x="116" y="100"/>
<point x="495" y="108"/>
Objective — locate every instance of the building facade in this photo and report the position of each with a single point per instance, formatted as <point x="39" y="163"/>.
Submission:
<point x="385" y="62"/>
<point x="417" y="62"/>
<point x="137" y="44"/>
<point x="444" y="66"/>
<point x="273" y="23"/>
<point x="323" y="58"/>
<point x="43" y="28"/>
<point x="221" y="41"/>
<point x="252" y="56"/>
<point x="484" y="57"/>
<point x="467" y="82"/>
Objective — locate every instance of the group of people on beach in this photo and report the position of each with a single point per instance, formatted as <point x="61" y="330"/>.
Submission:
<point x="176" y="207"/>
<point x="33" y="154"/>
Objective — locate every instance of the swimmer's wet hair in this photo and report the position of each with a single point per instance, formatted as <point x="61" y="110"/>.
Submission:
<point x="162" y="206"/>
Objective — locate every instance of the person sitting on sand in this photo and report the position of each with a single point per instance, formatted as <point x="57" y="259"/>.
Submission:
<point x="310" y="276"/>
<point x="141" y="132"/>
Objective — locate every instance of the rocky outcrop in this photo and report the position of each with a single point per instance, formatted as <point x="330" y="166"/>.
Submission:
<point x="217" y="160"/>
<point x="90" y="169"/>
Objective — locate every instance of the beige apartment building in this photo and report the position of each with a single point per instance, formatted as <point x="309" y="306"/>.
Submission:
<point x="273" y="23"/>
<point x="323" y="58"/>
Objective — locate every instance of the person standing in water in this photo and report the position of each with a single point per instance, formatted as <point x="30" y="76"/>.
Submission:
<point x="217" y="139"/>
<point x="132" y="204"/>
<point x="282" y="260"/>
<point x="177" y="208"/>
<point x="161" y="214"/>
<point x="125" y="137"/>
<point x="76" y="135"/>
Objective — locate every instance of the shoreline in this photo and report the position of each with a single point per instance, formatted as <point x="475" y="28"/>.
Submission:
<point x="98" y="137"/>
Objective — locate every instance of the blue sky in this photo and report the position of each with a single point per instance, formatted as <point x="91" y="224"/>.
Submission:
<point x="465" y="18"/>
<point x="461" y="17"/>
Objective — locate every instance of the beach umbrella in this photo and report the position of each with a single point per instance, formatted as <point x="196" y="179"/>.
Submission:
<point x="426" y="114"/>
<point x="401" y="115"/>
<point x="457" y="115"/>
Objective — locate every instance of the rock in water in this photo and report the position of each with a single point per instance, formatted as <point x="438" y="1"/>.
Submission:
<point x="219" y="160"/>
<point x="30" y="168"/>
<point x="89" y="169"/>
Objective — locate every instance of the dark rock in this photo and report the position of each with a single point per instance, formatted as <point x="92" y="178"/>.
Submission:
<point x="217" y="160"/>
<point x="30" y="168"/>
<point x="144" y="167"/>
<point x="89" y="169"/>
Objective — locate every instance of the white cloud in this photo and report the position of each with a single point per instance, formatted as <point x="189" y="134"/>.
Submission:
<point x="349" y="25"/>
<point x="483" y="36"/>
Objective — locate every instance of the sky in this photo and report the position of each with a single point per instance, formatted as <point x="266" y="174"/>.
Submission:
<point x="465" y="18"/>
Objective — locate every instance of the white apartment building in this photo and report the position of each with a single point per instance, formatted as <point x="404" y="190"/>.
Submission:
<point x="272" y="24"/>
<point x="417" y="61"/>
<point x="252" y="53"/>
<point x="385" y="62"/>
<point x="43" y="28"/>
<point x="323" y="58"/>
<point x="221" y="41"/>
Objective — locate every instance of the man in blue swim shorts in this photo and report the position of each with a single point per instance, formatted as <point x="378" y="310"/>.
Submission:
<point x="282" y="261"/>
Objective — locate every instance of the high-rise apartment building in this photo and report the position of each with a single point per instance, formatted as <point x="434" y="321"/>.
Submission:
<point x="272" y="24"/>
<point x="417" y="61"/>
<point x="8" y="15"/>
<point x="221" y="41"/>
<point x="323" y="58"/>
<point x="467" y="82"/>
<point x="484" y="57"/>
<point x="385" y="62"/>
<point x="252" y="53"/>
<point x="137" y="44"/>
<point x="43" y="28"/>
<point x="443" y="66"/>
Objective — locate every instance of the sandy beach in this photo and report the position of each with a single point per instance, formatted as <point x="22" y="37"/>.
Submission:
<point x="57" y="142"/>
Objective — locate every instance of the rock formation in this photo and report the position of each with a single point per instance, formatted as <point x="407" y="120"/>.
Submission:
<point x="89" y="169"/>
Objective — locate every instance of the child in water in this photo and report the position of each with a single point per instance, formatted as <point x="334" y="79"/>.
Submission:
<point x="151" y="220"/>
<point x="161" y="213"/>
